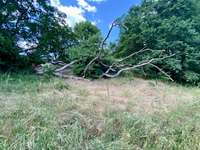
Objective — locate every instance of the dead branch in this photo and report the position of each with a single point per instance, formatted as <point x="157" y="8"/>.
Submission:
<point x="144" y="63"/>
<point x="101" y="49"/>
<point x="138" y="52"/>
<point x="59" y="71"/>
<point x="61" y="63"/>
<point x="114" y="23"/>
<point x="66" y="66"/>
<point x="168" y="76"/>
<point x="124" y="66"/>
<point x="116" y="68"/>
<point x="129" y="56"/>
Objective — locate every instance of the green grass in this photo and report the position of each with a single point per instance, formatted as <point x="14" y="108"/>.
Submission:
<point x="37" y="113"/>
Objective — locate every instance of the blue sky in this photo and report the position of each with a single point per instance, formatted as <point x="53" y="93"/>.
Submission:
<point x="99" y="12"/>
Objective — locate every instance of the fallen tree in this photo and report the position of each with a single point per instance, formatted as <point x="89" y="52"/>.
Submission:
<point x="116" y="68"/>
<point x="112" y="70"/>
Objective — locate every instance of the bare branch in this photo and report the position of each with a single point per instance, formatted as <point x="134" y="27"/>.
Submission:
<point x="88" y="65"/>
<point x="61" y="63"/>
<point x="168" y="76"/>
<point x="138" y="52"/>
<point x="129" y="56"/>
<point x="108" y="34"/>
<point x="101" y="49"/>
<point x="147" y="62"/>
<point x="127" y="68"/>
<point x="66" y="66"/>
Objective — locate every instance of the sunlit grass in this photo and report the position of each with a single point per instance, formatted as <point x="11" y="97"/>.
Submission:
<point x="39" y="113"/>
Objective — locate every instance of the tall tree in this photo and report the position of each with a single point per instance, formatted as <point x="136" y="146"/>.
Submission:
<point x="88" y="38"/>
<point x="32" y="28"/>
<point x="165" y="24"/>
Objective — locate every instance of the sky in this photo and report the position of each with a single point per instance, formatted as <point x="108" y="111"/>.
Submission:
<point x="99" y="12"/>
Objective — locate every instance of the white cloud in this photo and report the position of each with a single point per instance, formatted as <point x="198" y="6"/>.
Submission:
<point x="55" y="2"/>
<point x="86" y="6"/>
<point x="96" y="22"/>
<point x="75" y="14"/>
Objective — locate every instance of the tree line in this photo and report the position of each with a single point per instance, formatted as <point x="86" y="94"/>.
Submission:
<point x="156" y="38"/>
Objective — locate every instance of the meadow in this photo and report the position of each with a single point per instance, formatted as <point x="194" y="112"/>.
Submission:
<point x="117" y="114"/>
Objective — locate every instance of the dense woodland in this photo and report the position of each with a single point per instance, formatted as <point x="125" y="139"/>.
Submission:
<point x="158" y="38"/>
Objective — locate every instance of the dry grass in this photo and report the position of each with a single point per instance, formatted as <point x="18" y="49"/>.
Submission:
<point x="38" y="113"/>
<point x="138" y="95"/>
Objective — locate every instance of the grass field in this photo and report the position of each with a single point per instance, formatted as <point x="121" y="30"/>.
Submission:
<point x="119" y="114"/>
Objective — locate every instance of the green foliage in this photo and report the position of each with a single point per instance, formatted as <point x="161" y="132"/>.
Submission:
<point x="170" y="25"/>
<point x="89" y="40"/>
<point x="55" y="38"/>
<point x="85" y="30"/>
<point x="29" y="31"/>
<point x="95" y="70"/>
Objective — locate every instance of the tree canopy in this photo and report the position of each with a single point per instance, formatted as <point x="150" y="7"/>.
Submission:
<point x="165" y="24"/>
<point x="31" y="28"/>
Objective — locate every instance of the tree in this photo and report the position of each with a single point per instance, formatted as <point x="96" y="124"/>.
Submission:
<point x="169" y="25"/>
<point x="55" y="38"/>
<point x="94" y="61"/>
<point x="30" y="30"/>
<point x="88" y="39"/>
<point x="85" y="30"/>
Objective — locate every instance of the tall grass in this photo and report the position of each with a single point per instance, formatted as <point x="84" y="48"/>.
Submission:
<point x="37" y="113"/>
